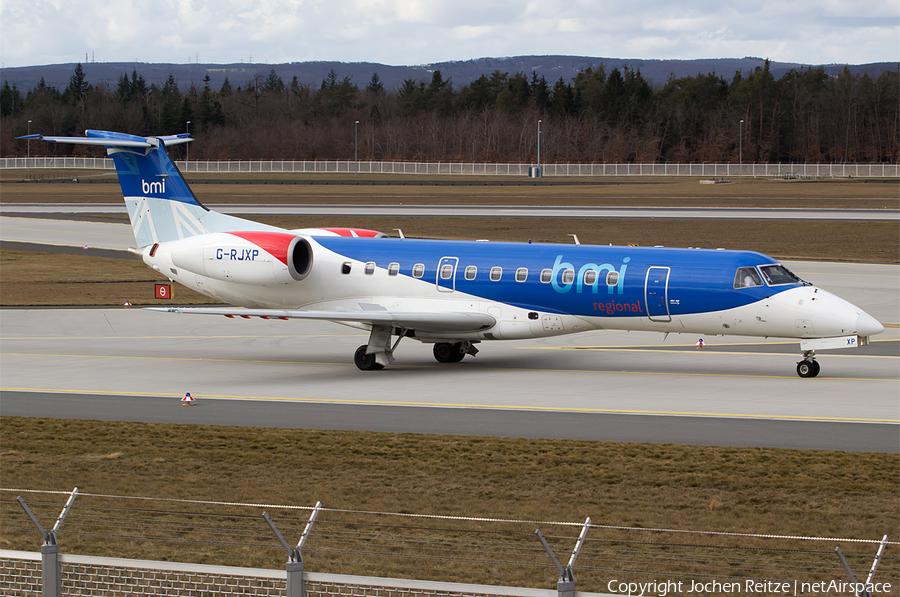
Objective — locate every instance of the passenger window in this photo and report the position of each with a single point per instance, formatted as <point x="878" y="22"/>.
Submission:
<point x="546" y="276"/>
<point x="345" y="267"/>
<point x="393" y="269"/>
<point x="418" y="270"/>
<point x="521" y="274"/>
<point x="370" y="268"/>
<point x="568" y="276"/>
<point x="590" y="276"/>
<point x="612" y="278"/>
<point x="747" y="277"/>
<point x="446" y="271"/>
<point x="496" y="272"/>
<point x="471" y="270"/>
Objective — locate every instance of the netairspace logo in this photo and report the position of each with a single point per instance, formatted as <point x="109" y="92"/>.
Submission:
<point x="748" y="587"/>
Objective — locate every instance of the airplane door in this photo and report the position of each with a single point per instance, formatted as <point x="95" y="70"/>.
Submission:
<point x="655" y="294"/>
<point x="446" y="274"/>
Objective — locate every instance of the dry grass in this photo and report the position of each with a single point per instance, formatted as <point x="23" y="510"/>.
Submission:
<point x="478" y="190"/>
<point x="740" y="490"/>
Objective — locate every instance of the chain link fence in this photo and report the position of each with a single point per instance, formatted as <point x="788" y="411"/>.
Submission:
<point x="467" y="551"/>
<point x="482" y="169"/>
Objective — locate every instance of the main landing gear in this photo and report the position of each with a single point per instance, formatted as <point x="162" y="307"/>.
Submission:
<point x="445" y="352"/>
<point x="380" y="352"/>
<point x="366" y="362"/>
<point x="809" y="366"/>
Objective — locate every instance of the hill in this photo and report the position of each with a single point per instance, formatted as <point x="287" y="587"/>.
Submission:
<point x="462" y="73"/>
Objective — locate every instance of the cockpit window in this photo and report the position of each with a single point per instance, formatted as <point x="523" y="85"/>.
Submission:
<point x="778" y="274"/>
<point x="747" y="277"/>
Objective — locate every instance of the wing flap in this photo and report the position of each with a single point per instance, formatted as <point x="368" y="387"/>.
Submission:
<point x="424" y="322"/>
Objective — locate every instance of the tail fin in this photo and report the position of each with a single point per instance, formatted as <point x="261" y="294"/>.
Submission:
<point x="160" y="203"/>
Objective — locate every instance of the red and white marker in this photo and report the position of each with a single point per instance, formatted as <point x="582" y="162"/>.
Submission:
<point x="700" y="343"/>
<point x="188" y="400"/>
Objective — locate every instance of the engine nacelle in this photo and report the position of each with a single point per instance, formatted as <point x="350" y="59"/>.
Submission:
<point x="244" y="257"/>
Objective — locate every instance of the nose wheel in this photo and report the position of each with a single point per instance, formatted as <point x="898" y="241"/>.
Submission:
<point x="809" y="366"/>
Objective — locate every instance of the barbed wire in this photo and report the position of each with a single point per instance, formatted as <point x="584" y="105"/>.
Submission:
<point x="460" y="518"/>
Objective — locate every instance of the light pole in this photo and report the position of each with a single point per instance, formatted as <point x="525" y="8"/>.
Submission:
<point x="28" y="159"/>
<point x="741" y="151"/>
<point x="187" y="148"/>
<point x="356" y="146"/>
<point x="539" y="149"/>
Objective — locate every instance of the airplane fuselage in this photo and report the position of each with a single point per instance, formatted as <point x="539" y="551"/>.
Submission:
<point x="531" y="290"/>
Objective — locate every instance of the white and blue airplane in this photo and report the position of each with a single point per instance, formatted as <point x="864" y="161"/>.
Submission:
<point x="455" y="294"/>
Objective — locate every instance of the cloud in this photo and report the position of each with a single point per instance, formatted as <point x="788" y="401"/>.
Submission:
<point x="420" y="31"/>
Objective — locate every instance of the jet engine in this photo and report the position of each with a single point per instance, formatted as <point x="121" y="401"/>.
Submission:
<point x="253" y="257"/>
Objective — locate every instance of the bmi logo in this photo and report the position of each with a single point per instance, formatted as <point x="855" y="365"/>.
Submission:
<point x="155" y="188"/>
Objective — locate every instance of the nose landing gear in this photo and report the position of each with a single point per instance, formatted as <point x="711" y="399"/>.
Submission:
<point x="809" y="366"/>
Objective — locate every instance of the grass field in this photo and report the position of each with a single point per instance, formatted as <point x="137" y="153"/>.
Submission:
<point x="631" y="485"/>
<point x="764" y="491"/>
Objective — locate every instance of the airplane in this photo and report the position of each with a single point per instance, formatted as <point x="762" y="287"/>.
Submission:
<point x="456" y="294"/>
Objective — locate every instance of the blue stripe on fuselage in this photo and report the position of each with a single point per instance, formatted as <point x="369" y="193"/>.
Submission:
<point x="699" y="280"/>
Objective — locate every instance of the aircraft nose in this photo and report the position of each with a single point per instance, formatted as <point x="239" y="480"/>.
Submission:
<point x="866" y="325"/>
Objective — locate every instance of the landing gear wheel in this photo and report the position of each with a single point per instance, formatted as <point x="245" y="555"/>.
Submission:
<point x="444" y="352"/>
<point x="808" y="368"/>
<point x="365" y="362"/>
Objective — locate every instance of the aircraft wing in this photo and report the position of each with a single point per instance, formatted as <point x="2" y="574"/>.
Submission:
<point x="423" y="322"/>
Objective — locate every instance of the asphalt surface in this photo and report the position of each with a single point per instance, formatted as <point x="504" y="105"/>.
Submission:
<point x="710" y="431"/>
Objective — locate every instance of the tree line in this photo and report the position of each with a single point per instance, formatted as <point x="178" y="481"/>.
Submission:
<point x="806" y="116"/>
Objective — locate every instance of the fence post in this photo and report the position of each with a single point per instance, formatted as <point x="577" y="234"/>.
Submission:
<point x="565" y="586"/>
<point x="51" y="580"/>
<point x="862" y="590"/>
<point x="296" y="587"/>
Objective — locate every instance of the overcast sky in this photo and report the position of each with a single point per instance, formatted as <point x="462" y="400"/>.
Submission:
<point x="410" y="32"/>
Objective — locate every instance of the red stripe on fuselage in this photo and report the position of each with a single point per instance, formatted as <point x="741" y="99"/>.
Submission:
<point x="275" y="244"/>
<point x="360" y="232"/>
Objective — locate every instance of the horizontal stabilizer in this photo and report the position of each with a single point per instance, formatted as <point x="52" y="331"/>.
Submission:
<point x="109" y="139"/>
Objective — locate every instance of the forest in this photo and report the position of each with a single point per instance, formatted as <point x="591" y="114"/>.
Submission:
<point x="806" y="116"/>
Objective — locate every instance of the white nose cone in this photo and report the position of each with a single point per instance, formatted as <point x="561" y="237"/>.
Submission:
<point x="866" y="325"/>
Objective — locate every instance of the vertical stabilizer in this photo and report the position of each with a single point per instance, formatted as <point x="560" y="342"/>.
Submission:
<point x="161" y="205"/>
